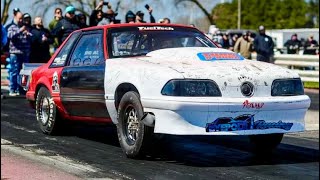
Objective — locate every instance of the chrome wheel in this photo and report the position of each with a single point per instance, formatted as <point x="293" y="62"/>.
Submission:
<point x="132" y="124"/>
<point x="44" y="110"/>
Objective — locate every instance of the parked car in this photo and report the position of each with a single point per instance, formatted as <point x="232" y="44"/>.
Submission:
<point x="160" y="78"/>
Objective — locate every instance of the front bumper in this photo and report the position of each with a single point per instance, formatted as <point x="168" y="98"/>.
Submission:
<point x="201" y="116"/>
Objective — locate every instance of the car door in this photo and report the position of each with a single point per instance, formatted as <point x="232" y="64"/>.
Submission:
<point x="58" y="63"/>
<point x="82" y="79"/>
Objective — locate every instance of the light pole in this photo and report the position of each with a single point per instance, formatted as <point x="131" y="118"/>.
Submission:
<point x="239" y="14"/>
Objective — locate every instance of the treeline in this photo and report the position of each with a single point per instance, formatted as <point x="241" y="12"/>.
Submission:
<point x="273" y="14"/>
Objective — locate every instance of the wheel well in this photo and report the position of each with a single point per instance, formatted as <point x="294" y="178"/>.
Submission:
<point x="121" y="90"/>
<point x="37" y="90"/>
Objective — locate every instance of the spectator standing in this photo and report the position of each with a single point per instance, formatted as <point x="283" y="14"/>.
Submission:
<point x="130" y="17"/>
<point x="233" y="41"/>
<point x="26" y="20"/>
<point x="66" y="25"/>
<point x="53" y="23"/>
<point x="140" y="16"/>
<point x="293" y="45"/>
<point x="56" y="19"/>
<point x="108" y="17"/>
<point x="96" y="15"/>
<point x="4" y="40"/>
<point x="263" y="45"/>
<point x="165" y="21"/>
<point x="19" y="49"/>
<point x="244" y="45"/>
<point x="82" y="20"/>
<point x="15" y="11"/>
<point x="40" y="42"/>
<point x="310" y="46"/>
<point x="6" y="47"/>
<point x="225" y="43"/>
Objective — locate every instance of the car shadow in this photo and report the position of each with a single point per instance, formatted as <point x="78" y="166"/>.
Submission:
<point x="205" y="151"/>
<point x="226" y="151"/>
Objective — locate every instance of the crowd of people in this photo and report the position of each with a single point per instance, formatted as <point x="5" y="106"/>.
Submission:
<point x="309" y="46"/>
<point x="27" y="41"/>
<point x="263" y="44"/>
<point x="245" y="44"/>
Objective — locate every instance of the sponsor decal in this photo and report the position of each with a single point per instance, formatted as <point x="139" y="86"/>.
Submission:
<point x="155" y="28"/>
<point x="55" y="85"/>
<point x="252" y="105"/>
<point x="244" y="122"/>
<point x="212" y="56"/>
<point x="51" y="120"/>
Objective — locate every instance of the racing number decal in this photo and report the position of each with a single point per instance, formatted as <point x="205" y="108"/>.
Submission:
<point x="55" y="85"/>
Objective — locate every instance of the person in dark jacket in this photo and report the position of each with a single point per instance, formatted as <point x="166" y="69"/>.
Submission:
<point x="130" y="17"/>
<point x="27" y="21"/>
<point x="263" y="45"/>
<point x="19" y="39"/>
<point x="310" y="46"/>
<point x="66" y="25"/>
<point x="293" y="45"/>
<point x="140" y="17"/>
<point x="40" y="42"/>
<point x="96" y="15"/>
<point x="82" y="20"/>
<point x="225" y="42"/>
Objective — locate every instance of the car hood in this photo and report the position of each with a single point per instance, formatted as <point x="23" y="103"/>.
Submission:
<point x="215" y="64"/>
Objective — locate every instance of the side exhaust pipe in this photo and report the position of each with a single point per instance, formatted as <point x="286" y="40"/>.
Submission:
<point x="148" y="119"/>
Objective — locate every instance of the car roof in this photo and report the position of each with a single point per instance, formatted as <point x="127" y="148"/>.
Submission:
<point x="134" y="25"/>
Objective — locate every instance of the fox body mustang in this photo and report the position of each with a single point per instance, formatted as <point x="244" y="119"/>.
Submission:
<point x="169" y="79"/>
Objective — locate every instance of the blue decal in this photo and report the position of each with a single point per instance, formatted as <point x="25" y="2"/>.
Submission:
<point x="244" y="122"/>
<point x="212" y="56"/>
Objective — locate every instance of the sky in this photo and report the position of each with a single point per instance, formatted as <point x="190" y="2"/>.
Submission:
<point x="161" y="9"/>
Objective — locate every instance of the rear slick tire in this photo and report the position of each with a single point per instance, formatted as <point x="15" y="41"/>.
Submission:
<point x="47" y="113"/>
<point x="134" y="137"/>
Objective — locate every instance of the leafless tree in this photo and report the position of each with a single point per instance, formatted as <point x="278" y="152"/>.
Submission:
<point x="208" y="15"/>
<point x="4" y="15"/>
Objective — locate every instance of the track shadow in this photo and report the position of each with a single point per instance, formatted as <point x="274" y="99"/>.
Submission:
<point x="205" y="151"/>
<point x="224" y="151"/>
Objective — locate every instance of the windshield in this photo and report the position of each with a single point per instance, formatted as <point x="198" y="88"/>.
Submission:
<point x="137" y="41"/>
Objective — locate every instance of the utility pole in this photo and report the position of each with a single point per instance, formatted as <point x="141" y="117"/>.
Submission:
<point x="239" y="14"/>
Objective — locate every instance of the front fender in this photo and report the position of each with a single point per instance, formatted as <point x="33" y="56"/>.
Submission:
<point x="146" y="77"/>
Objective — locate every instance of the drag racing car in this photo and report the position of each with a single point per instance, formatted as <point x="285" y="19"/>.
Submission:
<point x="162" y="79"/>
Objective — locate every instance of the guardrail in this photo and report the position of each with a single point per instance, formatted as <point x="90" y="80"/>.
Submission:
<point x="299" y="51"/>
<point x="293" y="61"/>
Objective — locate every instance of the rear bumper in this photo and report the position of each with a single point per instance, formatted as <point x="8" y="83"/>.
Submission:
<point x="203" y="117"/>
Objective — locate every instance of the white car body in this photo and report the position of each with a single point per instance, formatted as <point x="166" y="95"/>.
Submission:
<point x="190" y="115"/>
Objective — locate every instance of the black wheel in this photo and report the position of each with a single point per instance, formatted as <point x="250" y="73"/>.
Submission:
<point x="134" y="136"/>
<point x="265" y="143"/>
<point x="46" y="112"/>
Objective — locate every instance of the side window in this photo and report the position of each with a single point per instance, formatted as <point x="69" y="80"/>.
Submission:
<point x="62" y="56"/>
<point x="88" y="52"/>
<point x="122" y="43"/>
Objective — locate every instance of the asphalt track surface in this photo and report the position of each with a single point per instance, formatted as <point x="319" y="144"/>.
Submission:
<point x="96" y="148"/>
